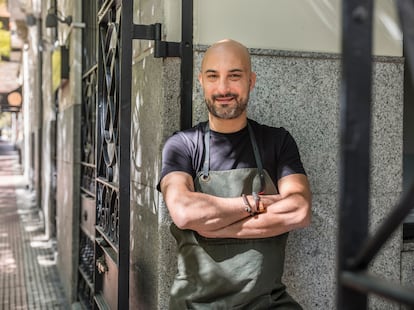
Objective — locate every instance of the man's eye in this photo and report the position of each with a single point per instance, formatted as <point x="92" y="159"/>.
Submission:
<point x="212" y="76"/>
<point x="235" y="76"/>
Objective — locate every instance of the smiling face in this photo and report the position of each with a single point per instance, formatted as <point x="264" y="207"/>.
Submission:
<point x="227" y="79"/>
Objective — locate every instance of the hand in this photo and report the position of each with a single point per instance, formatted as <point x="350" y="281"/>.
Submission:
<point x="259" y="203"/>
<point x="268" y="200"/>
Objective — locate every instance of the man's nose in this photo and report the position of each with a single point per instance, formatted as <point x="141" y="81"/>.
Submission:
<point x="223" y="86"/>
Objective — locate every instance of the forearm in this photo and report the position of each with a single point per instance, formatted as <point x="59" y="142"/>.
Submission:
<point x="284" y="215"/>
<point x="199" y="211"/>
<point x="193" y="210"/>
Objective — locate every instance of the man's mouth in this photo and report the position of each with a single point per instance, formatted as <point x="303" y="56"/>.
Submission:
<point x="224" y="99"/>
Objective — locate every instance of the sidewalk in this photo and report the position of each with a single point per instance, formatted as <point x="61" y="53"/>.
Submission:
<point x="28" y="273"/>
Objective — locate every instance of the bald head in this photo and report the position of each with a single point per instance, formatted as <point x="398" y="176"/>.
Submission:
<point x="227" y="79"/>
<point x="227" y="49"/>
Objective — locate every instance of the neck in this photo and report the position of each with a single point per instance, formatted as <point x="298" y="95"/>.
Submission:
<point x="227" y="125"/>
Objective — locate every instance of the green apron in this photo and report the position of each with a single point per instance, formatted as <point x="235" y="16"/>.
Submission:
<point x="230" y="273"/>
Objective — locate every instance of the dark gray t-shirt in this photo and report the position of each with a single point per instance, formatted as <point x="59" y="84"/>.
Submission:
<point x="184" y="151"/>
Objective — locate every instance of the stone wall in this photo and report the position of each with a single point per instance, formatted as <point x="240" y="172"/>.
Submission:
<point x="48" y="144"/>
<point x="68" y="198"/>
<point x="155" y="115"/>
<point x="68" y="153"/>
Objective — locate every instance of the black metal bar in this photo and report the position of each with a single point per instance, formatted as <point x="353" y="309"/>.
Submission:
<point x="369" y="284"/>
<point x="153" y="32"/>
<point x="175" y="49"/>
<point x="187" y="64"/>
<point x="406" y="14"/>
<point x="97" y="280"/>
<point x="167" y="49"/>
<point x="124" y="152"/>
<point x="355" y="141"/>
<point x="39" y="121"/>
<point x="147" y="32"/>
<point x="391" y="223"/>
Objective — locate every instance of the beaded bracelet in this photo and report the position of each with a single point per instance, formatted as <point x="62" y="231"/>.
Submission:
<point x="248" y="207"/>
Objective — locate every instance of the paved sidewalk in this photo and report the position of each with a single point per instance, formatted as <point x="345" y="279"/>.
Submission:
<point x="28" y="273"/>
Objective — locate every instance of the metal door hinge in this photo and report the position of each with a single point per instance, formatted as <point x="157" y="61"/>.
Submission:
<point x="153" y="32"/>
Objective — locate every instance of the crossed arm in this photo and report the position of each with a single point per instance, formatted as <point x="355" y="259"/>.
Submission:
<point x="217" y="217"/>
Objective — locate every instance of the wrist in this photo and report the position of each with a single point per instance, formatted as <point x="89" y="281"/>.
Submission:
<point x="248" y="206"/>
<point x="258" y="203"/>
<point x="252" y="204"/>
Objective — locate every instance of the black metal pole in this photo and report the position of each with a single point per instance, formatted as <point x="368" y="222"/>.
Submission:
<point x="406" y="14"/>
<point x="124" y="152"/>
<point x="366" y="283"/>
<point x="39" y="146"/>
<point x="187" y="64"/>
<point x="355" y="99"/>
<point x="391" y="223"/>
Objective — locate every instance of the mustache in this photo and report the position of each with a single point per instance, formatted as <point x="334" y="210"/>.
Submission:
<point x="214" y="97"/>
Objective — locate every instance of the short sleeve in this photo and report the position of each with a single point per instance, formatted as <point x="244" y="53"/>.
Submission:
<point x="176" y="156"/>
<point x="289" y="158"/>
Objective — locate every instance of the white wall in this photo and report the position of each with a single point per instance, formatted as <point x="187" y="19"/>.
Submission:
<point x="298" y="25"/>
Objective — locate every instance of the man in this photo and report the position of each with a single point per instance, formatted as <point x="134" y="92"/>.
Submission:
<point x="234" y="188"/>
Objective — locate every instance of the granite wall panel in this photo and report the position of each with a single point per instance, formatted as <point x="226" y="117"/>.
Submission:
<point x="300" y="91"/>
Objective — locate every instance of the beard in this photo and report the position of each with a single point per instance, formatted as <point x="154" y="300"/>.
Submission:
<point x="226" y="110"/>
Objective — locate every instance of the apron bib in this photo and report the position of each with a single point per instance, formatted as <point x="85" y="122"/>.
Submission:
<point x="230" y="273"/>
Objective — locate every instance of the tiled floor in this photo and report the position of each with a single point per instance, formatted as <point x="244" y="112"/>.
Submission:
<point x="28" y="273"/>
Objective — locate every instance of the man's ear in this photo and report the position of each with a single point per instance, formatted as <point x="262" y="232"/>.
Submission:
<point x="252" y="80"/>
<point x="200" y="79"/>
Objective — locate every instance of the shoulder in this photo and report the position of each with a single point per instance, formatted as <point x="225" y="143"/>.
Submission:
<point x="182" y="151"/>
<point x="188" y="137"/>
<point x="278" y="139"/>
<point x="268" y="131"/>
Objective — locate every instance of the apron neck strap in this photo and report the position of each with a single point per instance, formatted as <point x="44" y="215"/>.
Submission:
<point x="257" y="158"/>
<point x="256" y="152"/>
<point x="206" y="165"/>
